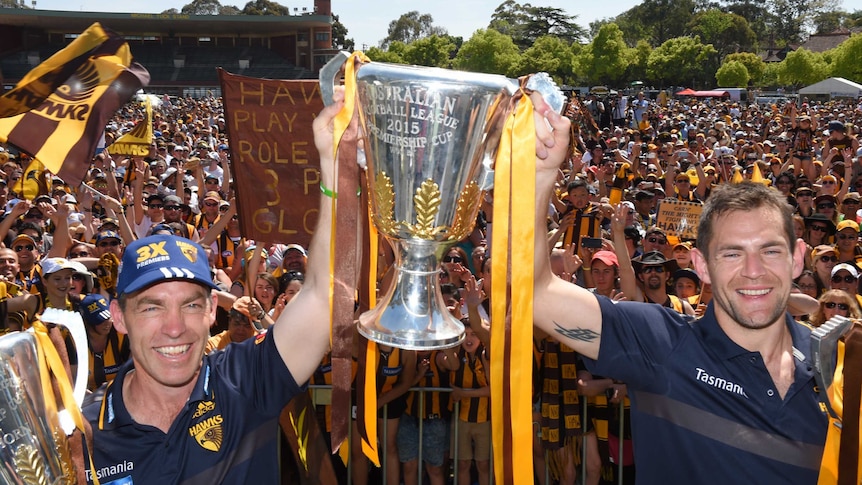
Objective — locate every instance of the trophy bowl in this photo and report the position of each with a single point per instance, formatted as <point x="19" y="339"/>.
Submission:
<point x="430" y="138"/>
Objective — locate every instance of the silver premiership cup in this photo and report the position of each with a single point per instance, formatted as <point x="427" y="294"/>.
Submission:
<point x="34" y="448"/>
<point x="430" y="137"/>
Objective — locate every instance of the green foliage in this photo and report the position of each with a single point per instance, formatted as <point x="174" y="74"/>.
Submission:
<point x="752" y="62"/>
<point x="201" y="7"/>
<point x="488" y="51"/>
<point x="656" y="20"/>
<point x="526" y="23"/>
<point x="682" y="60"/>
<point x="732" y="74"/>
<point x="727" y="32"/>
<point x="802" y="67"/>
<point x="339" y="35"/>
<point x="430" y="51"/>
<point x="381" y="55"/>
<point x="410" y="27"/>
<point x="605" y="59"/>
<point x="265" y="7"/>
<point x="845" y="59"/>
<point x="548" y="54"/>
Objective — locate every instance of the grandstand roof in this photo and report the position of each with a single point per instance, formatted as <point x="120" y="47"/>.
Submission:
<point x="152" y="23"/>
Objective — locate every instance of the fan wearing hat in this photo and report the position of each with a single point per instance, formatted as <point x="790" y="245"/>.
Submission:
<point x="579" y="218"/>
<point x="850" y="204"/>
<point x="56" y="283"/>
<point x="686" y="285"/>
<point x="209" y="212"/>
<point x="174" y="410"/>
<point x="174" y="214"/>
<point x="603" y="274"/>
<point x="654" y="272"/>
<point x="109" y="349"/>
<point x="802" y="133"/>
<point x="804" y="196"/>
<point x="819" y="229"/>
<point x="845" y="277"/>
<point x="227" y="241"/>
<point x="239" y="329"/>
<point x="838" y="143"/>
<point x="847" y="242"/>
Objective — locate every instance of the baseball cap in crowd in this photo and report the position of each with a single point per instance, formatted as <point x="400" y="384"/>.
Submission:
<point x="836" y="126"/>
<point x="848" y="224"/>
<point x="851" y="196"/>
<point x="23" y="239"/>
<point x="212" y="194"/>
<point x="845" y="267"/>
<point x="202" y="144"/>
<point x="823" y="249"/>
<point x="295" y="247"/>
<point x="607" y="257"/>
<point x="53" y="265"/>
<point x="173" y="199"/>
<point x="686" y="273"/>
<point x="94" y="309"/>
<point x="108" y="235"/>
<point x="159" y="258"/>
<point x="159" y="228"/>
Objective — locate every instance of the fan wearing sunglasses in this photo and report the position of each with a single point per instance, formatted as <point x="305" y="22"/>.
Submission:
<point x="835" y="303"/>
<point x="456" y="264"/>
<point x="845" y="277"/>
<point x="847" y="241"/>
<point x="654" y="272"/>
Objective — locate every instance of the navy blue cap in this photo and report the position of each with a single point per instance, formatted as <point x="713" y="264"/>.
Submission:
<point x="94" y="309"/>
<point x="160" y="258"/>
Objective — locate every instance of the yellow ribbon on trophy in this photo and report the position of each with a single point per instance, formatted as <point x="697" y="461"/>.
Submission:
<point x="512" y="335"/>
<point x="50" y="363"/>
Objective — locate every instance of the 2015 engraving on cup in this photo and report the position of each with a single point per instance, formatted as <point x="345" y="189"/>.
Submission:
<point x="412" y="115"/>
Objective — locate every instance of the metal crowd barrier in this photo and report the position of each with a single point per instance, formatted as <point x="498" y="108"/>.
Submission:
<point x="454" y="441"/>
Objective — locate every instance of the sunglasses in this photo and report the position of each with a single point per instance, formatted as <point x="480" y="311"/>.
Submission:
<point x="28" y="247"/>
<point x="825" y="206"/>
<point x="841" y="306"/>
<point x="223" y="208"/>
<point x="846" y="279"/>
<point x="682" y="181"/>
<point x="210" y="204"/>
<point x="656" y="240"/>
<point x="111" y="243"/>
<point x="78" y="277"/>
<point x="851" y="202"/>
<point x="846" y="236"/>
<point x="156" y="206"/>
<point x="650" y="269"/>
<point x="828" y="259"/>
<point x="172" y="207"/>
<point x="82" y="254"/>
<point x="827" y="182"/>
<point x="452" y="259"/>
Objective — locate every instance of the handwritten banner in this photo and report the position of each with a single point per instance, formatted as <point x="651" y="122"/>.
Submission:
<point x="679" y="218"/>
<point x="274" y="163"/>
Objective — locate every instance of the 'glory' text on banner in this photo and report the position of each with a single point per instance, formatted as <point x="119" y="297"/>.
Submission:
<point x="274" y="162"/>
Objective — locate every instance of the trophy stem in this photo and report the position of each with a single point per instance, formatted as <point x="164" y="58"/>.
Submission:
<point x="412" y="314"/>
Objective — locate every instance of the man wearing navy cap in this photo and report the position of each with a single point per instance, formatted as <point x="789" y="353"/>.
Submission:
<point x="173" y="415"/>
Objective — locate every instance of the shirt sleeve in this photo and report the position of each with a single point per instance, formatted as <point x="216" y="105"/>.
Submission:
<point x="255" y="369"/>
<point x="636" y="341"/>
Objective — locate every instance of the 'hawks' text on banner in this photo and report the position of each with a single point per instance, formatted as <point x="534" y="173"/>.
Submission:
<point x="679" y="218"/>
<point x="274" y="162"/>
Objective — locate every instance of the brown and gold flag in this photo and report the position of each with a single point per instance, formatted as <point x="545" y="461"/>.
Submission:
<point x="275" y="165"/>
<point x="63" y="130"/>
<point x="136" y="143"/>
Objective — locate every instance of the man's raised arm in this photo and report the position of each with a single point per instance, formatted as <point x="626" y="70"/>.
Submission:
<point x="302" y="330"/>
<point x="563" y="310"/>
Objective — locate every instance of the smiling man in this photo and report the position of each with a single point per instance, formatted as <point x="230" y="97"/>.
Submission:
<point x="175" y="415"/>
<point x="729" y="399"/>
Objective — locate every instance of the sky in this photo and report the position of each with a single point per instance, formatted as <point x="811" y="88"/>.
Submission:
<point x="367" y="21"/>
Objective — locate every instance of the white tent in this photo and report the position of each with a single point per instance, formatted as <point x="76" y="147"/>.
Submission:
<point x="834" y="87"/>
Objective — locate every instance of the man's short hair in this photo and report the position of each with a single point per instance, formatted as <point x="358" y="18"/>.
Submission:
<point x="742" y="197"/>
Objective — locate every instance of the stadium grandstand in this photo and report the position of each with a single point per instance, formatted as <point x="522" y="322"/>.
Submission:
<point x="181" y="51"/>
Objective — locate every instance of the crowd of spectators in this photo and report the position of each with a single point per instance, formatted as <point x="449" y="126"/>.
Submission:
<point x="62" y="249"/>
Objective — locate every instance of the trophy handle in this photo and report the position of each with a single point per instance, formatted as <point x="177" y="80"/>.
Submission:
<point x="329" y="74"/>
<point x="75" y="324"/>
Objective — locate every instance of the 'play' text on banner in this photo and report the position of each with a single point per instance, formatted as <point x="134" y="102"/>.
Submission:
<point x="273" y="158"/>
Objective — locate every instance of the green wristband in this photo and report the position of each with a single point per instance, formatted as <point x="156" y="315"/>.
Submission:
<point x="327" y="192"/>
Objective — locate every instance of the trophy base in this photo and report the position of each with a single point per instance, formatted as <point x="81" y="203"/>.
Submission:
<point x="409" y="339"/>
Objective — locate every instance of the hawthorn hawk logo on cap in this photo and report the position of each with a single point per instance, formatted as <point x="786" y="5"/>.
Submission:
<point x="188" y="250"/>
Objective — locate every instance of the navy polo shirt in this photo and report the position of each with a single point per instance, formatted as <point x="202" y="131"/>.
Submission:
<point x="705" y="410"/>
<point x="227" y="432"/>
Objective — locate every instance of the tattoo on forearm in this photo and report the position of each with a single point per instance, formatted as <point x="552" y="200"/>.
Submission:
<point x="582" y="334"/>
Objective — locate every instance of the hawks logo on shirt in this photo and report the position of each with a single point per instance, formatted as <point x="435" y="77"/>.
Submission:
<point x="208" y="433"/>
<point x="203" y="408"/>
<point x="259" y="338"/>
<point x="188" y="250"/>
